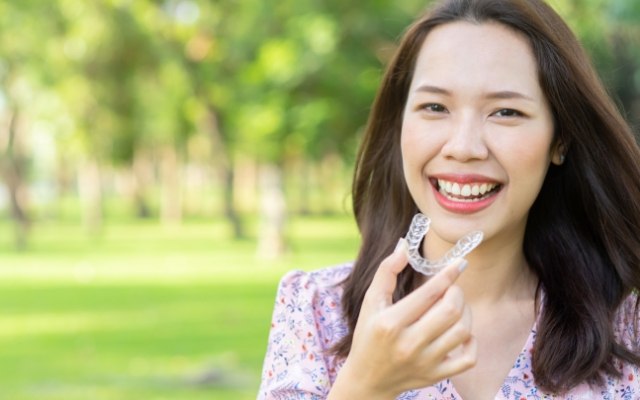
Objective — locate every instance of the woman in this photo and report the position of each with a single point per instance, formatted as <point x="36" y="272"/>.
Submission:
<point x="490" y="117"/>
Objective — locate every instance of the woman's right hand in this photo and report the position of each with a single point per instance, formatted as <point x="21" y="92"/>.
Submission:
<point x="416" y="342"/>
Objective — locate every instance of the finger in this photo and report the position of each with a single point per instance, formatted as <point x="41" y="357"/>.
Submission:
<point x="449" y="343"/>
<point x="446" y="312"/>
<point x="464" y="360"/>
<point x="467" y="317"/>
<point x="386" y="277"/>
<point x="466" y="324"/>
<point x="415" y="305"/>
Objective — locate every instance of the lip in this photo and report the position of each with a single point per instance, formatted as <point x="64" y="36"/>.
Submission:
<point x="464" y="178"/>
<point x="463" y="207"/>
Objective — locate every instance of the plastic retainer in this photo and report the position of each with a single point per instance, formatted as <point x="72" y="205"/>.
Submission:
<point x="418" y="229"/>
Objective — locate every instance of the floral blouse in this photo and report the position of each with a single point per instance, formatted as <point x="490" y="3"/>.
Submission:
<point x="307" y="320"/>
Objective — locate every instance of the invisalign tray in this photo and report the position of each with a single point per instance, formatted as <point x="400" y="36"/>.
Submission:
<point x="418" y="229"/>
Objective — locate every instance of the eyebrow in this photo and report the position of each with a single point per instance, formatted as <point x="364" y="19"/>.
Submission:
<point x="502" y="94"/>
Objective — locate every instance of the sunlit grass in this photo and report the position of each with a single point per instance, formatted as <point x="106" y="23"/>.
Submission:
<point x="145" y="311"/>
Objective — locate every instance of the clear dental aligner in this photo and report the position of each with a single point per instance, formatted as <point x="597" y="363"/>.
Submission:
<point x="418" y="229"/>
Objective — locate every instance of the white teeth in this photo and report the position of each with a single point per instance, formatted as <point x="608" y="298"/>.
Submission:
<point x="466" y="190"/>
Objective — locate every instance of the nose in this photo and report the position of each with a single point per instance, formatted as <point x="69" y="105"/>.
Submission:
<point x="465" y="140"/>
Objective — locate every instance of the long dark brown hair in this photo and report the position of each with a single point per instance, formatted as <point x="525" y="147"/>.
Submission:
<point x="583" y="232"/>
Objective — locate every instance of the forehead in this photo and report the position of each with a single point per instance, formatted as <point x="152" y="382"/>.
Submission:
<point x="485" y="54"/>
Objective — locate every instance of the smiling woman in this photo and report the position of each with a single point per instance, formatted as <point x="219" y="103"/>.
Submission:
<point x="490" y="118"/>
<point x="476" y="115"/>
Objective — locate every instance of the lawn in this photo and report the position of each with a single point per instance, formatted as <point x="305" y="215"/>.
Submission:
<point x="145" y="311"/>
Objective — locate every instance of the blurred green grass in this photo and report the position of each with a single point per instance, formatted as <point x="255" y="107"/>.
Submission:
<point x="146" y="311"/>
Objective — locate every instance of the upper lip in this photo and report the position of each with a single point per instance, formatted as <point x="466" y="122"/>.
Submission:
<point x="465" y="178"/>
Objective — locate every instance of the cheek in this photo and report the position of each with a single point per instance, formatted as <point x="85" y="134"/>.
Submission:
<point x="418" y="145"/>
<point x="413" y="159"/>
<point x="526" y="162"/>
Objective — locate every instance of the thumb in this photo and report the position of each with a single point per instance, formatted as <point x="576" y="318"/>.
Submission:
<point x="385" y="280"/>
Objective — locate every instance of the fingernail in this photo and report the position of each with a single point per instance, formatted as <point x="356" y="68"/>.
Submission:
<point x="401" y="245"/>
<point x="463" y="265"/>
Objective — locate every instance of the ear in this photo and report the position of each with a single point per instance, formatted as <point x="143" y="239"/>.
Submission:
<point x="558" y="153"/>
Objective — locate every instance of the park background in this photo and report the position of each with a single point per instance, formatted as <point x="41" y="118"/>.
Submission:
<point x="164" y="162"/>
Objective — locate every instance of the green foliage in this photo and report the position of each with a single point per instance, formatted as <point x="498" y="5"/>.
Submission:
<point x="113" y="79"/>
<point x="146" y="312"/>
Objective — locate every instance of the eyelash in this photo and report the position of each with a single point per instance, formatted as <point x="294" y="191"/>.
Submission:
<point x="511" y="113"/>
<point x="431" y="107"/>
<point x="439" y="108"/>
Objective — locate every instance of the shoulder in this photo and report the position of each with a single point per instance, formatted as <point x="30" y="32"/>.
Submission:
<point x="314" y="295"/>
<point x="313" y="298"/>
<point x="627" y="322"/>
<point x="307" y="321"/>
<point x="625" y="385"/>
<point x="325" y="279"/>
<point x="629" y="306"/>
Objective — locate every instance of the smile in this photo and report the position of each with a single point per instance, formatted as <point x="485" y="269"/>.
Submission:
<point x="466" y="192"/>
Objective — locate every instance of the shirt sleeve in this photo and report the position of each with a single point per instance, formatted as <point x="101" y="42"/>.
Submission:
<point x="296" y="365"/>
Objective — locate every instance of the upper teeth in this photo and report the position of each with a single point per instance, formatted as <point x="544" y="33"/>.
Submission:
<point x="466" y="190"/>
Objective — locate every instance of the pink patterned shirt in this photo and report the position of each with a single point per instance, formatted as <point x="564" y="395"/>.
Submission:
<point x="307" y="320"/>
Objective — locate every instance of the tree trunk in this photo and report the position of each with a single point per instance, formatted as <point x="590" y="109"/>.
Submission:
<point x="171" y="193"/>
<point x="141" y="176"/>
<point x="245" y="184"/>
<point x="230" y="211"/>
<point x="304" y="183"/>
<point x="65" y="178"/>
<point x="331" y="184"/>
<point x="13" y="172"/>
<point x="221" y="150"/>
<point x="271" y="241"/>
<point x="90" y="190"/>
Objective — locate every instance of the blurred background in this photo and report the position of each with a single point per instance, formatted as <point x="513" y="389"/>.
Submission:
<point x="164" y="162"/>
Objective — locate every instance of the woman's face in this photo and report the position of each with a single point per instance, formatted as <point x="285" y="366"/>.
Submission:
<point x="477" y="131"/>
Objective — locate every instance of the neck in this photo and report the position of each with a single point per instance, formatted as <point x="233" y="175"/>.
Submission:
<point x="497" y="272"/>
<point x="496" y="275"/>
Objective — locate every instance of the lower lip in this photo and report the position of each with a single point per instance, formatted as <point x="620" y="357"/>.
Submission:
<point x="464" y="207"/>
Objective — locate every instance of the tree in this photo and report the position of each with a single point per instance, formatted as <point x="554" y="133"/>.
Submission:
<point x="20" y="75"/>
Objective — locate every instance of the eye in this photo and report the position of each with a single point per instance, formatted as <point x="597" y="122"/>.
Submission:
<point x="507" y="113"/>
<point x="433" y="107"/>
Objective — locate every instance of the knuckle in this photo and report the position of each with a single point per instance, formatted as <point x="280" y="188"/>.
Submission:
<point x="389" y="262"/>
<point x="440" y="284"/>
<point x="386" y="263"/>
<point x="384" y="327"/>
<point x="451" y="310"/>
<point x="461" y="332"/>
<point x="455" y="292"/>
<point x="450" y="276"/>
<point x="405" y="352"/>
<point x="469" y="357"/>
<point x="469" y="361"/>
